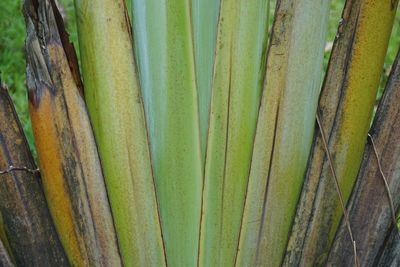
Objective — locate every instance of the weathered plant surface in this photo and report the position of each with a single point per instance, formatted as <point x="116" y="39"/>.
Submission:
<point x="284" y="131"/>
<point x="369" y="206"/>
<point x="116" y="110"/>
<point x="163" y="40"/>
<point x="346" y="105"/>
<point x="204" y="150"/>
<point x="28" y="231"/>
<point x="71" y="172"/>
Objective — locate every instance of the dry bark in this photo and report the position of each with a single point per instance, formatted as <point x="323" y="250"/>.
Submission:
<point x="27" y="222"/>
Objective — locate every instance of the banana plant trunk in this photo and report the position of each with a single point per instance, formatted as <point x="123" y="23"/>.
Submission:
<point x="192" y="139"/>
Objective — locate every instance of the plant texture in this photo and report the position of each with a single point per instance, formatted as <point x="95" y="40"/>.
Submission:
<point x="204" y="133"/>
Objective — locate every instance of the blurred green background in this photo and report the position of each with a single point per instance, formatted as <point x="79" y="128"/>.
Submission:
<point x="12" y="61"/>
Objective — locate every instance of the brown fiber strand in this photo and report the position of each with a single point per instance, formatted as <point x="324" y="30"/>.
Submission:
<point x="346" y="216"/>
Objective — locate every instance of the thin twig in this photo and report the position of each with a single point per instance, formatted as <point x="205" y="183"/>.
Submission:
<point x="13" y="169"/>
<point x="384" y="180"/>
<point x="346" y="216"/>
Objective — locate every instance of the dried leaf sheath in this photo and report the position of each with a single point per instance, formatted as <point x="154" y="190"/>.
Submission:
<point x="369" y="198"/>
<point x="71" y="171"/>
<point x="31" y="235"/>
<point x="115" y="105"/>
<point x="346" y="104"/>
<point x="284" y="131"/>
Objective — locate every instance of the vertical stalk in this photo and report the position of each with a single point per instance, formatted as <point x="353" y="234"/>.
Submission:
<point x="237" y="81"/>
<point x="370" y="198"/>
<point x="116" y="110"/>
<point x="205" y="15"/>
<point x="346" y="105"/>
<point x="284" y="131"/>
<point x="164" y="49"/>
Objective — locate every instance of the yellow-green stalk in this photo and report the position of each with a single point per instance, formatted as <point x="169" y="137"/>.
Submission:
<point x="284" y="131"/>
<point x="346" y="105"/>
<point x="239" y="70"/>
<point x="116" y="111"/>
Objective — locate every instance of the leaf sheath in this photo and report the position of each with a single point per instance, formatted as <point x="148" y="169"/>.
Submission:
<point x="164" y="50"/>
<point x="238" y="75"/>
<point x="369" y="198"/>
<point x="71" y="172"/>
<point x="284" y="131"/>
<point x="346" y="105"/>
<point x="116" y="111"/>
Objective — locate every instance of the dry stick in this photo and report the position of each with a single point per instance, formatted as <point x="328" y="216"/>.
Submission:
<point x="384" y="180"/>
<point x="346" y="216"/>
<point x="12" y="169"/>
